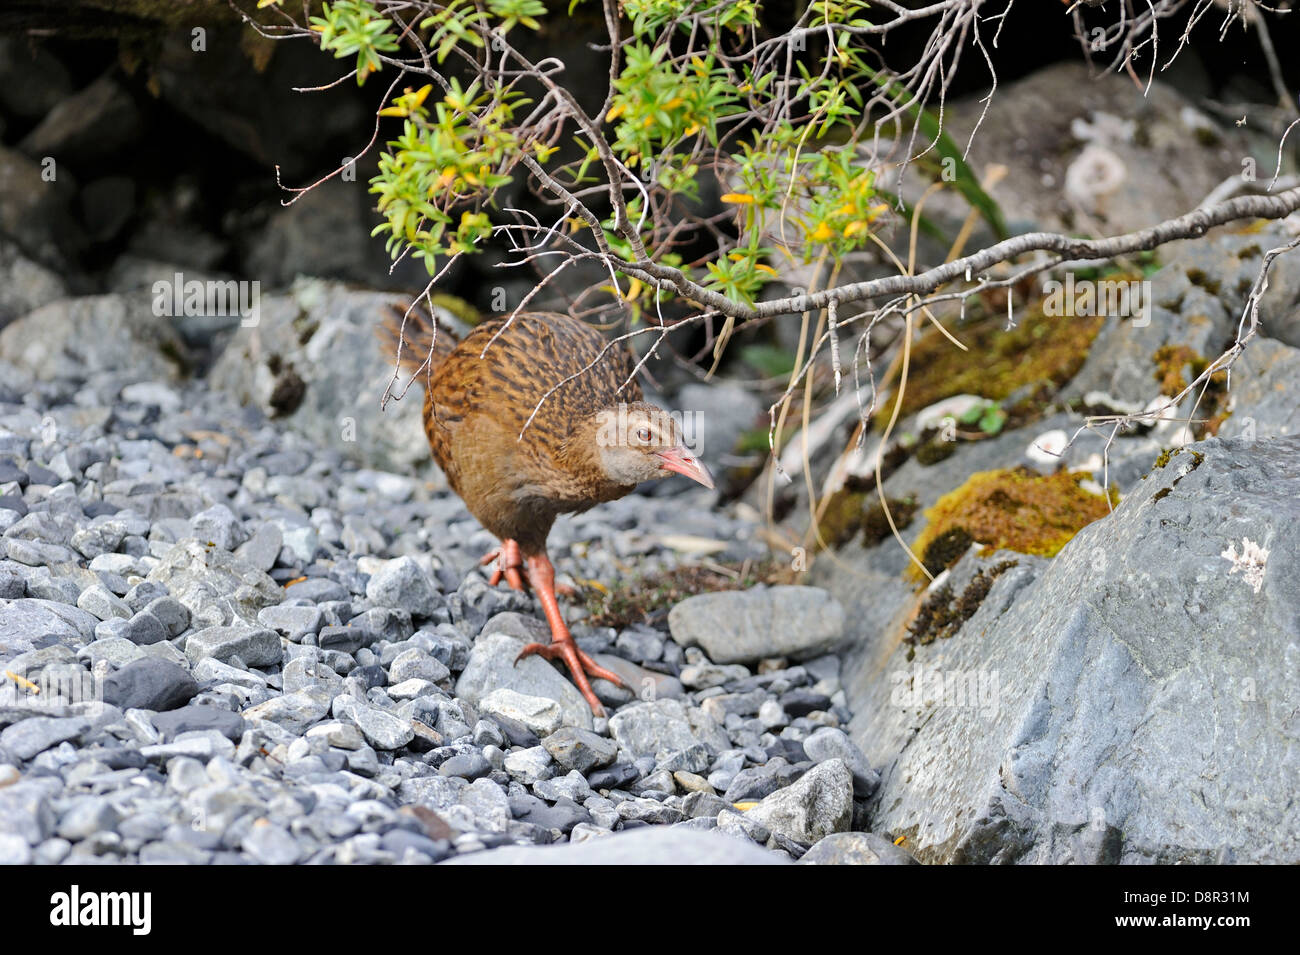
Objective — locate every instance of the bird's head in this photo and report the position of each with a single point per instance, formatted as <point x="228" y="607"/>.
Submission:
<point x="638" y="442"/>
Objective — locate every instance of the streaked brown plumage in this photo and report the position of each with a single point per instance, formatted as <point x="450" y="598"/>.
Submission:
<point x="592" y="439"/>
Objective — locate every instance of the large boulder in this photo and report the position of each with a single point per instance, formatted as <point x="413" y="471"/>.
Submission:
<point x="1131" y="700"/>
<point x="312" y="361"/>
<point x="77" y="337"/>
<point x="1097" y="145"/>
<point x="25" y="285"/>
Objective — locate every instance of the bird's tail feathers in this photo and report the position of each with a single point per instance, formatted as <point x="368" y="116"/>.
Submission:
<point x="415" y="339"/>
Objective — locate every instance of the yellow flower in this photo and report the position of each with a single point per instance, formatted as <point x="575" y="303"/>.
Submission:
<point x="822" y="233"/>
<point x="738" y="199"/>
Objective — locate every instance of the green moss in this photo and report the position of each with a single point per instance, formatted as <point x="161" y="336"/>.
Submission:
<point x="1171" y="362"/>
<point x="1198" y="278"/>
<point x="306" y="327"/>
<point x="941" y="615"/>
<point x="1016" y="510"/>
<point x="934" y="450"/>
<point x="1165" y="456"/>
<point x="946" y="549"/>
<point x="1206" y="136"/>
<point x="287" y="392"/>
<point x="841" y="517"/>
<point x="849" y="511"/>
<point x="1039" y="351"/>
<point x="875" y="525"/>
<point x="1175" y="367"/>
<point x="173" y="354"/>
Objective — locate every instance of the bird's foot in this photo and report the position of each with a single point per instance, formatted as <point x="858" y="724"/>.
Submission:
<point x="579" y="663"/>
<point x="510" y="565"/>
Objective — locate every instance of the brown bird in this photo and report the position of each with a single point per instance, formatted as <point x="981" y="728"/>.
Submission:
<point x="531" y="418"/>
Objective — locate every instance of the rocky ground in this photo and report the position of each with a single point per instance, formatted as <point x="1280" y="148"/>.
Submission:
<point x="225" y="645"/>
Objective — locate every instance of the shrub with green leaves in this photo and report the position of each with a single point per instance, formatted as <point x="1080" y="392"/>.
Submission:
<point x="696" y="89"/>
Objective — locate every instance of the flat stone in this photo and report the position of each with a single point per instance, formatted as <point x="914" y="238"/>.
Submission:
<point x="261" y="550"/>
<point x="26" y="738"/>
<point x="831" y="743"/>
<point x="746" y="626"/>
<point x="293" y="711"/>
<point x="173" y="613"/>
<point x="192" y="718"/>
<point x="646" y="729"/>
<point x="382" y="730"/>
<point x="203" y="577"/>
<point x="255" y="646"/>
<point x="217" y="525"/>
<point x="529" y="765"/>
<point x="291" y="620"/>
<point x="144" y="629"/>
<point x="98" y="602"/>
<point x="271" y="844"/>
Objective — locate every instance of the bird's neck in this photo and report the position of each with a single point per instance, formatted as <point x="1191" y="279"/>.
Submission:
<point x="580" y="457"/>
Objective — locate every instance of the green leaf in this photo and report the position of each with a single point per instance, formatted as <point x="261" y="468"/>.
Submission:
<point x="770" y="361"/>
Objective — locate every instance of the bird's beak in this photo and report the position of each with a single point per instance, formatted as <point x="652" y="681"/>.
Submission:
<point x="682" y="461"/>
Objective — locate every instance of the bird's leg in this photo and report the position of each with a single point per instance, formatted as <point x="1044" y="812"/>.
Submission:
<point x="509" y="565"/>
<point x="542" y="576"/>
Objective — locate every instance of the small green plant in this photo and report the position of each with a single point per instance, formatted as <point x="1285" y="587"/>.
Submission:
<point x="988" y="416"/>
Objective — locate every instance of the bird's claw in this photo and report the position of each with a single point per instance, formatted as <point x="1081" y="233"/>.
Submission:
<point x="579" y="663"/>
<point x="510" y="565"/>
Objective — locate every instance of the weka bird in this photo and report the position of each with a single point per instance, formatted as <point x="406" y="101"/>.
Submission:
<point x="591" y="438"/>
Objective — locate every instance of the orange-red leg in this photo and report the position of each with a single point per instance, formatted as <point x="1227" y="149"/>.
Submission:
<point x="542" y="576"/>
<point x="510" y="564"/>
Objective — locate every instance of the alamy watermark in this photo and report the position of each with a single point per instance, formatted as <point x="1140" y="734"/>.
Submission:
<point x="178" y="298"/>
<point x="1107" y="298"/>
<point x="921" y="687"/>
<point x="638" y="426"/>
<point x="52" y="687"/>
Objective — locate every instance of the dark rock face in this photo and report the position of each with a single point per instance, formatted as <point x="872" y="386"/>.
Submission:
<point x="1082" y="711"/>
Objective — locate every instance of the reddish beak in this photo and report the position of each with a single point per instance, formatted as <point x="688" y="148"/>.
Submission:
<point x="683" y="462"/>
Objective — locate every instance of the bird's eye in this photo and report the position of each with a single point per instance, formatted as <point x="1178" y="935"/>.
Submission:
<point x="643" y="435"/>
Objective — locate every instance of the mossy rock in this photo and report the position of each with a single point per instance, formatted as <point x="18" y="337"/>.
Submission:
<point x="849" y="513"/>
<point x="1039" y="351"/>
<point x="1016" y="509"/>
<point x="1176" y="366"/>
